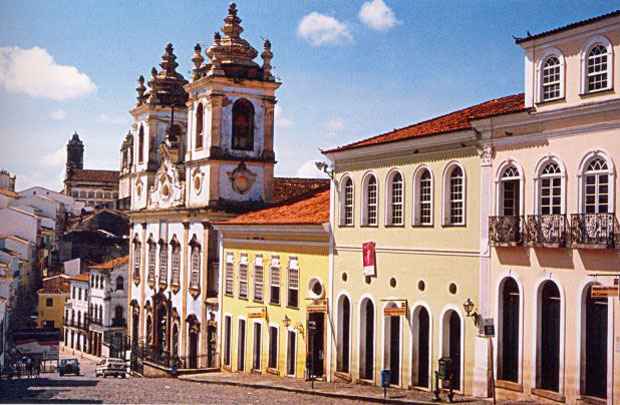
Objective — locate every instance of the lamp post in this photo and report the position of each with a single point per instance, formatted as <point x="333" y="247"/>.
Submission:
<point x="469" y="306"/>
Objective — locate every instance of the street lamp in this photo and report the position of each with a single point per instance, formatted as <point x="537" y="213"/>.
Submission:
<point x="468" y="306"/>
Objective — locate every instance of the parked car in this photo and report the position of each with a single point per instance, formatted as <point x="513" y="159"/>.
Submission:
<point x="69" y="366"/>
<point x="111" y="366"/>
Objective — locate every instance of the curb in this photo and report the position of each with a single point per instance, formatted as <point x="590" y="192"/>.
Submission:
<point x="310" y="392"/>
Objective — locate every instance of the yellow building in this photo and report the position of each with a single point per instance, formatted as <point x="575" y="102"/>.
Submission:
<point x="51" y="301"/>
<point x="274" y="281"/>
<point x="414" y="195"/>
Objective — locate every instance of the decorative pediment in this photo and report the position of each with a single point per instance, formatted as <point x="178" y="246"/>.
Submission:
<point x="241" y="179"/>
<point x="168" y="189"/>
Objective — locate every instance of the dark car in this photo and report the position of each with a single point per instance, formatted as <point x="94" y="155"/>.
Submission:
<point x="69" y="366"/>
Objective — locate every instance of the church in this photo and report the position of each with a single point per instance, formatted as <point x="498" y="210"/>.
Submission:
<point x="198" y="151"/>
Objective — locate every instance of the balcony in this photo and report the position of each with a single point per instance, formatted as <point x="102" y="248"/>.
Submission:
<point x="506" y="230"/>
<point x="546" y="230"/>
<point x="595" y="231"/>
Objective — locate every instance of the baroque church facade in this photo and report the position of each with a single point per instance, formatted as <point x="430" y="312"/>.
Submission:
<point x="198" y="151"/>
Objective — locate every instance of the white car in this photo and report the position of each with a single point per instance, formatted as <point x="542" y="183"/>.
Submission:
<point x="111" y="367"/>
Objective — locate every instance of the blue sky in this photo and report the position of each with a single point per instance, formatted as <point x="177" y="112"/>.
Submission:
<point x="350" y="69"/>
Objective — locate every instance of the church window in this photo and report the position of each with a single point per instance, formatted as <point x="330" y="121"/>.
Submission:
<point x="151" y="272"/>
<point x="243" y="125"/>
<point x="175" y="263"/>
<point x="194" y="280"/>
<point x="141" y="145"/>
<point x="163" y="263"/>
<point x="199" y="126"/>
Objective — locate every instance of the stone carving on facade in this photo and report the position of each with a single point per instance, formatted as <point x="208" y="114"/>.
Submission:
<point x="486" y="155"/>
<point x="241" y="179"/>
<point x="168" y="189"/>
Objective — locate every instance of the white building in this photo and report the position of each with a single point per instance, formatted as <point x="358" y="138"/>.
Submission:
<point x="76" y="314"/>
<point x="107" y="308"/>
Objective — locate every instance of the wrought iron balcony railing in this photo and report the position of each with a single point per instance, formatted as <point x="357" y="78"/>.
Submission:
<point x="506" y="230"/>
<point x="595" y="231"/>
<point x="546" y="230"/>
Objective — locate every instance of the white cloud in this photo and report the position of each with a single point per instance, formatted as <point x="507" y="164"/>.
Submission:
<point x="112" y="119"/>
<point x="281" y="121"/>
<point x="334" y="125"/>
<point x="35" y="73"/>
<point x="319" y="29"/>
<point x="58" y="115"/>
<point x="377" y="15"/>
<point x="55" y="158"/>
<point x="308" y="169"/>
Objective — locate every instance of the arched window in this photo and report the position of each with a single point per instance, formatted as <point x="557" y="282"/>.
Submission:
<point x="137" y="247"/>
<point x="510" y="192"/>
<point x="371" y="197"/>
<point x="596" y="186"/>
<point x="346" y="213"/>
<point x="343" y="334"/>
<point x="423" y="197"/>
<point x="454" y="195"/>
<point x="199" y="126"/>
<point x="598" y="68"/>
<point x="118" y="313"/>
<point x="597" y="61"/>
<point x="243" y="125"/>
<point x="120" y="283"/>
<point x="551" y="79"/>
<point x="395" y="199"/>
<point x="141" y="144"/>
<point x="550" y="190"/>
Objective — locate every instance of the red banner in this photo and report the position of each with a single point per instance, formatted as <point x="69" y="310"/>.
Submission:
<point x="369" y="258"/>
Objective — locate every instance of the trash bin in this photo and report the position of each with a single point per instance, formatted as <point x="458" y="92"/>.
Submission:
<point x="386" y="377"/>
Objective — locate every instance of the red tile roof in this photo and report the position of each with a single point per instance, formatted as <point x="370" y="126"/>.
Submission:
<point x="454" y="121"/>
<point x="285" y="188"/>
<point x="312" y="209"/>
<point x="103" y="176"/>
<point x="81" y="277"/>
<point x="111" y="263"/>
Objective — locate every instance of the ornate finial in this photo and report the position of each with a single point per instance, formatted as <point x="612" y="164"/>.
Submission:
<point x="217" y="38"/>
<point x="153" y="72"/>
<point x="168" y="60"/>
<point x="140" y="90"/>
<point x="267" y="55"/>
<point x="232" y="9"/>
<point x="198" y="60"/>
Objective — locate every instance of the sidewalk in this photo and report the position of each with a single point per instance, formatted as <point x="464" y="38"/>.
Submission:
<point x="357" y="392"/>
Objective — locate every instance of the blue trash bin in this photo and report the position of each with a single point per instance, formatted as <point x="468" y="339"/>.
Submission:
<point x="386" y="377"/>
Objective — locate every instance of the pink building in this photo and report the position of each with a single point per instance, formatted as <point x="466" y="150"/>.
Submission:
<point x="553" y="222"/>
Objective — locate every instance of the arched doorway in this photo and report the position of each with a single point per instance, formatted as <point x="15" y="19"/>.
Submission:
<point x="193" y="341"/>
<point x="211" y="345"/>
<point x="451" y="343"/>
<point x="343" y="334"/>
<point x="367" y="339"/>
<point x="509" y="333"/>
<point x="161" y="329"/>
<point x="391" y="344"/>
<point x="149" y="330"/>
<point x="421" y="347"/>
<point x="594" y="345"/>
<point x="135" y="323"/>
<point x="175" y="341"/>
<point x="549" y="304"/>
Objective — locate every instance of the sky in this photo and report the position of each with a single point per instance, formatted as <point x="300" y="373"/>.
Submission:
<point x="349" y="69"/>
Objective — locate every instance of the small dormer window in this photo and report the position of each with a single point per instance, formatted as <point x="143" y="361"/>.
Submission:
<point x="598" y="68"/>
<point x="243" y="125"/>
<point x="551" y="79"/>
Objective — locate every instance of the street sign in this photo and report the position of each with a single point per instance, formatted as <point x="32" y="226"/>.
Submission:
<point x="604" y="291"/>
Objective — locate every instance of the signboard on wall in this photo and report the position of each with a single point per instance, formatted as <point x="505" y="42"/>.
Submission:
<point x="604" y="291"/>
<point x="369" y="259"/>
